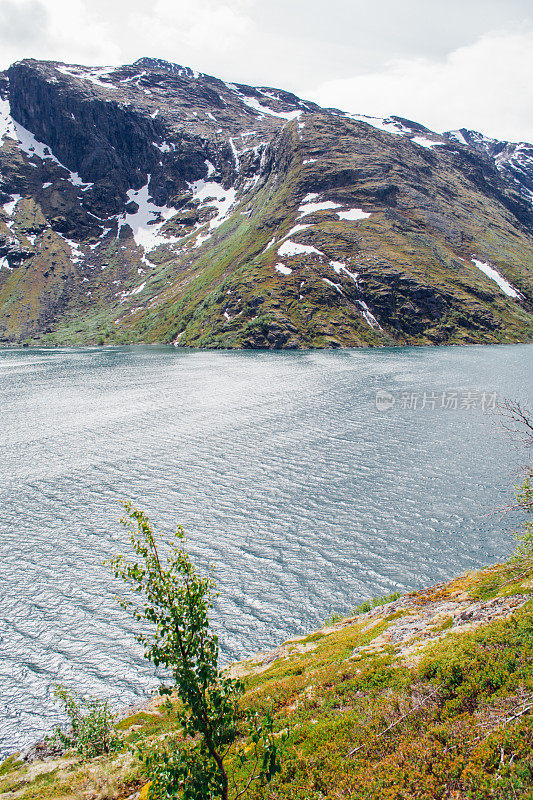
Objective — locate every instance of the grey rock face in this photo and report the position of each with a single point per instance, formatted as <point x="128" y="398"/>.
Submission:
<point x="514" y="160"/>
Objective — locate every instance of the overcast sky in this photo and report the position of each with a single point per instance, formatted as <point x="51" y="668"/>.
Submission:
<point x="444" y="63"/>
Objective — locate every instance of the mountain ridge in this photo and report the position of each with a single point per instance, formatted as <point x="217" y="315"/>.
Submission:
<point x="151" y="202"/>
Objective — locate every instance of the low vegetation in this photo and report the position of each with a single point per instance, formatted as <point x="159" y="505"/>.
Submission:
<point x="92" y="729"/>
<point x="453" y="721"/>
<point x="174" y="599"/>
<point x="426" y="696"/>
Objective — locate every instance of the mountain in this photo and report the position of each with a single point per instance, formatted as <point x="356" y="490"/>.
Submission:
<point x="513" y="160"/>
<point x="153" y="203"/>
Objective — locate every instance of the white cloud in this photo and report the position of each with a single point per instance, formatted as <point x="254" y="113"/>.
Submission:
<point x="54" y="29"/>
<point x="194" y="31"/>
<point x="485" y="86"/>
<point x="210" y="35"/>
<point x="22" y="22"/>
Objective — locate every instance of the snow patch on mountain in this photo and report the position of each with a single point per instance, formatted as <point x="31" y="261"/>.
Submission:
<point x="147" y="221"/>
<point x="514" y="160"/>
<point x="296" y="229"/>
<point x="353" y="214"/>
<point x="459" y="136"/>
<point x="494" y="275"/>
<point x="76" y="253"/>
<point x="235" y="154"/>
<point x="30" y="145"/>
<point x="368" y="316"/>
<point x="214" y="194"/>
<point x="398" y="128"/>
<point x="168" y="66"/>
<point x="425" y="142"/>
<point x="289" y="248"/>
<point x="383" y="124"/>
<point x="252" y="102"/>
<point x="269" y="245"/>
<point x="9" y="207"/>
<point x="309" y="206"/>
<point x="6" y="121"/>
<point x="164" y="147"/>
<point x="340" y="266"/>
<point x="91" y="75"/>
<point x="336" y="286"/>
<point x="136" y="290"/>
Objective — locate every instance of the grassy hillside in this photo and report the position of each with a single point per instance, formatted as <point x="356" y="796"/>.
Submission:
<point x="429" y="695"/>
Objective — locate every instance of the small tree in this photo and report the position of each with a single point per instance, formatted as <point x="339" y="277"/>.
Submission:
<point x="518" y="421"/>
<point x="175" y="601"/>
<point x="92" y="724"/>
<point x="524" y="497"/>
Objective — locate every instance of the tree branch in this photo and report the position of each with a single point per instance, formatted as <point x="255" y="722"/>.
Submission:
<point x="252" y="778"/>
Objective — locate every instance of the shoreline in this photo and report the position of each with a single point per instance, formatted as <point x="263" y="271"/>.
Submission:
<point x="189" y="348"/>
<point x="426" y="610"/>
<point x="385" y="681"/>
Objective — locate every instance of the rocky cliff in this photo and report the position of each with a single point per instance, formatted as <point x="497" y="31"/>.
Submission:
<point x="153" y="203"/>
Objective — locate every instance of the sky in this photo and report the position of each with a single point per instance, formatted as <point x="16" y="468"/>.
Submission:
<point x="444" y="63"/>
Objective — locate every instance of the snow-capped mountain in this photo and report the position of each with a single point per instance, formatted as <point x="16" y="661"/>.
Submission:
<point x="512" y="159"/>
<point x="150" y="202"/>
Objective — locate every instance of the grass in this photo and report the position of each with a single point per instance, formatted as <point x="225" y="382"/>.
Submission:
<point x="504" y="579"/>
<point x="368" y="605"/>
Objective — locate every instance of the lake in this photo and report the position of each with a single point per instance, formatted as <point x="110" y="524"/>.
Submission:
<point x="305" y="496"/>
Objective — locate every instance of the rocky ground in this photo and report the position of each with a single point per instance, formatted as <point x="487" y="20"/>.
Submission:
<point x="424" y="618"/>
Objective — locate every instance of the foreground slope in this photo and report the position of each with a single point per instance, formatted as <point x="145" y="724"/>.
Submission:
<point x="153" y="203"/>
<point x="427" y="696"/>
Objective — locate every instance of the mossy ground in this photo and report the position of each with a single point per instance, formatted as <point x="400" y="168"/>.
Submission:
<point x="451" y="723"/>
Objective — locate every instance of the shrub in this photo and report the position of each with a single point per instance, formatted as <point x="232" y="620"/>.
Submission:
<point x="491" y="662"/>
<point x="523" y="554"/>
<point x="92" y="731"/>
<point x="368" y="605"/>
